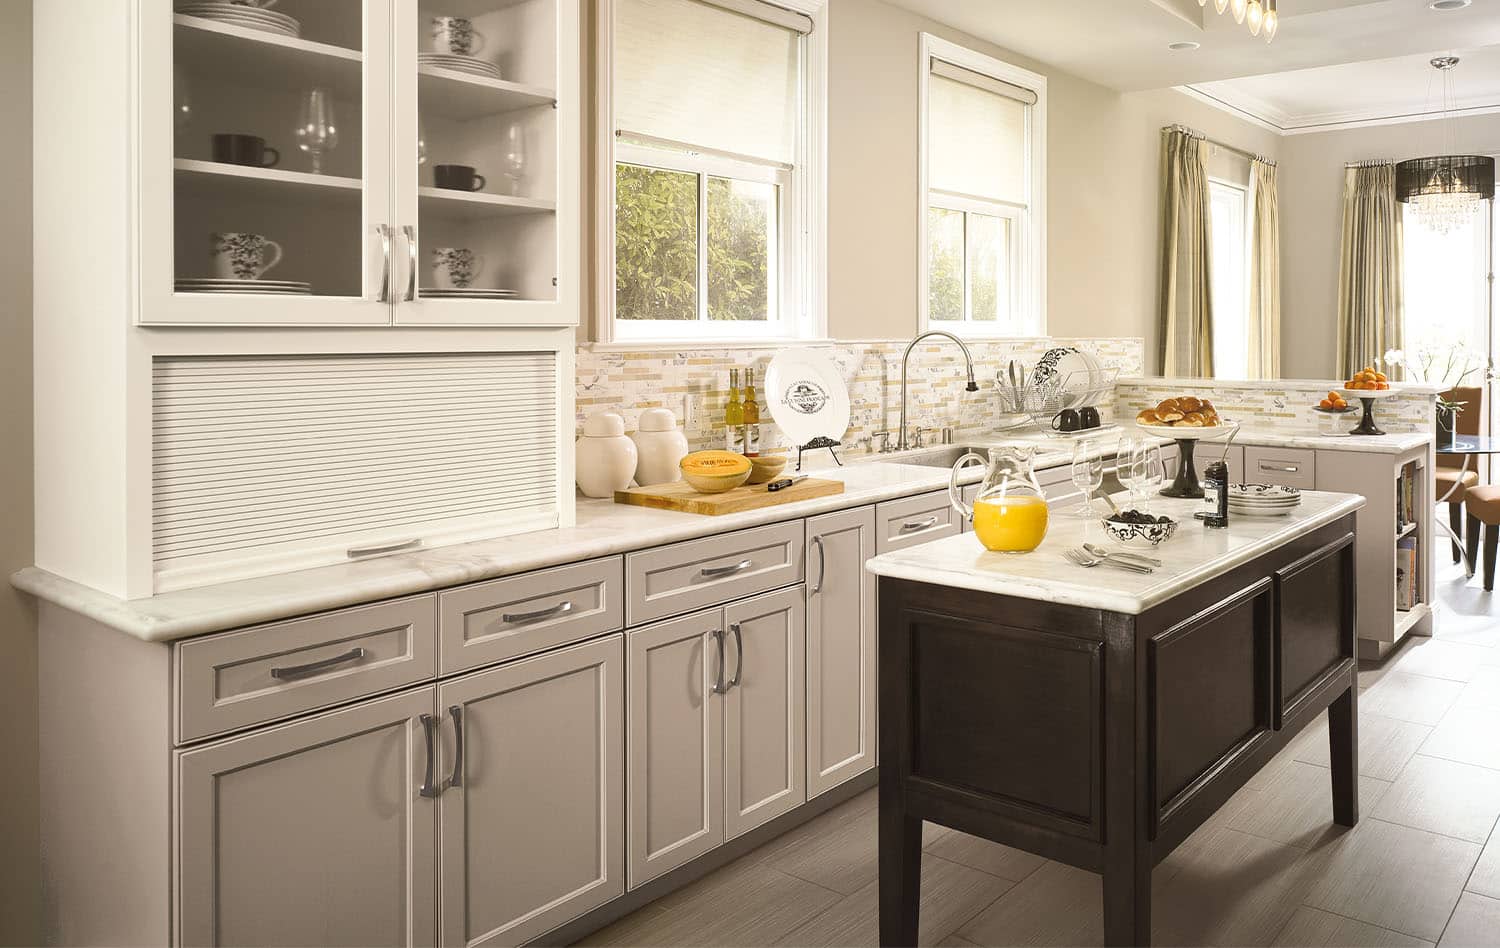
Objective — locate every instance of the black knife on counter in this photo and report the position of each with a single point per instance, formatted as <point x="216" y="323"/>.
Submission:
<point x="784" y="483"/>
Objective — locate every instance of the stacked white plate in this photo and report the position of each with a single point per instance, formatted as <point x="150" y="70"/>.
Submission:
<point x="238" y="14"/>
<point x="469" y="293"/>
<point x="1263" y="500"/>
<point x="216" y="285"/>
<point x="472" y="65"/>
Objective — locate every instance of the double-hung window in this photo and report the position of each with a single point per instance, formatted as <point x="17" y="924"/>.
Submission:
<point x="983" y="193"/>
<point x="710" y="146"/>
<point x="1229" y="285"/>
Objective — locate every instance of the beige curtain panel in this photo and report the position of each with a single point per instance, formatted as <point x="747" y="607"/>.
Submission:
<point x="1370" y="295"/>
<point x="1186" y="318"/>
<point x="1265" y="272"/>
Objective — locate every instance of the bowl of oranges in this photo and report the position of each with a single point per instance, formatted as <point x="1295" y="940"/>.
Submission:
<point x="1332" y="414"/>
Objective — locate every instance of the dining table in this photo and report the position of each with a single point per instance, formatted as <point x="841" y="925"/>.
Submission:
<point x="1466" y="447"/>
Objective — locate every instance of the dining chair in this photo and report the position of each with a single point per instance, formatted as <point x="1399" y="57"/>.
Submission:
<point x="1451" y="473"/>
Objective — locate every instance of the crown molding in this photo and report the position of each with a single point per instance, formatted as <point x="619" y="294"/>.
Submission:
<point x="1262" y="114"/>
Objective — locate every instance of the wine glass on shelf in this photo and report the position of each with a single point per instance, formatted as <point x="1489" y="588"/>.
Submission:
<point x="317" y="128"/>
<point x="1088" y="475"/>
<point x="182" y="100"/>
<point x="515" y="157"/>
<point x="421" y="143"/>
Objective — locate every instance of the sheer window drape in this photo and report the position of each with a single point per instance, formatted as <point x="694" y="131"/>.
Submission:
<point x="1186" y="318"/>
<point x="1264" y="244"/>
<point x="1371" y="298"/>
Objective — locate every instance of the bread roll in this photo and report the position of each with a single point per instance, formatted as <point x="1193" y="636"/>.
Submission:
<point x="1167" y="405"/>
<point x="1189" y="404"/>
<point x="1169" y="417"/>
<point x="1148" y="417"/>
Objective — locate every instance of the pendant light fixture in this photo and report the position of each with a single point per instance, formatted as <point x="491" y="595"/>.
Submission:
<point x="1445" y="190"/>
<point x="1259" y="15"/>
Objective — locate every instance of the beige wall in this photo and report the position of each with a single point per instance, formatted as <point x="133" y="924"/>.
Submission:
<point x="1102" y="158"/>
<point x="19" y="899"/>
<point x="1312" y="185"/>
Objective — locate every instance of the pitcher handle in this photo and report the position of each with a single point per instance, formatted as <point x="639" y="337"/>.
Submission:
<point x="954" y="497"/>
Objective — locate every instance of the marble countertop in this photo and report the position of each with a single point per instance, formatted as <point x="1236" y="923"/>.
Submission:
<point x="1053" y="451"/>
<point x="1276" y="385"/>
<point x="1194" y="555"/>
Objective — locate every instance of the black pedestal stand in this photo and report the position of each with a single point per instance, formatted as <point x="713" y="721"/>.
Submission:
<point x="819" y="442"/>
<point x="1185" y="484"/>
<point x="1367" y="423"/>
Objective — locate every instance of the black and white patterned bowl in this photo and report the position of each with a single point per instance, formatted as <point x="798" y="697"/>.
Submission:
<point x="1150" y="534"/>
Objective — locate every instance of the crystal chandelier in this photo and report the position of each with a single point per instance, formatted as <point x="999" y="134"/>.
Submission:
<point x="1445" y="190"/>
<point x="1259" y="15"/>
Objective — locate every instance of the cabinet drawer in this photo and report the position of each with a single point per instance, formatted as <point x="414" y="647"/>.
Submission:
<point x="913" y="520"/>
<point x="518" y="615"/>
<point x="237" y="679"/>
<point x="1289" y="467"/>
<point x="682" y="577"/>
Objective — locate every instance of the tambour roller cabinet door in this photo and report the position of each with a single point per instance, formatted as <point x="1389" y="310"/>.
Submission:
<point x="273" y="463"/>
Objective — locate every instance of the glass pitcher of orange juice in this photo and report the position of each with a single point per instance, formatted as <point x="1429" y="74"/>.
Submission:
<point x="1010" y="511"/>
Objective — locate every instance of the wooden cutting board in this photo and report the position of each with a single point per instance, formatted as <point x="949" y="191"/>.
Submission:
<point x="680" y="496"/>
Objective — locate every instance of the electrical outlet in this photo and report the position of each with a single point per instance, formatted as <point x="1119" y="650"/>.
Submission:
<point x="689" y="412"/>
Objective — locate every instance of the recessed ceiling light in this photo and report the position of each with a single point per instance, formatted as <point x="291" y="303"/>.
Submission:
<point x="1182" y="46"/>
<point x="1448" y="4"/>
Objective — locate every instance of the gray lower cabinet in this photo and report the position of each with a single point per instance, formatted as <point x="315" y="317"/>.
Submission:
<point x="715" y="724"/>
<point x="532" y="811"/>
<point x="311" y="833"/>
<point x="840" y="648"/>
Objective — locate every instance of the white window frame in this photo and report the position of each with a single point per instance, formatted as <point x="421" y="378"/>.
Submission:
<point x="799" y="280"/>
<point x="1029" y="223"/>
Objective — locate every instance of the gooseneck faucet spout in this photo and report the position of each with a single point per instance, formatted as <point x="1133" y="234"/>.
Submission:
<point x="906" y="357"/>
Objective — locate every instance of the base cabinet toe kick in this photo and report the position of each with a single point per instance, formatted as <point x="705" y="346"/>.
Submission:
<point x="1101" y="739"/>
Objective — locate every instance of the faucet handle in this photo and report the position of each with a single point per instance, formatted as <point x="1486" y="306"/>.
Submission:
<point x="916" y="436"/>
<point x="885" y="441"/>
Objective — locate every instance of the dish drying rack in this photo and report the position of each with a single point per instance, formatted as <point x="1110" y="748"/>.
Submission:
<point x="1036" y="405"/>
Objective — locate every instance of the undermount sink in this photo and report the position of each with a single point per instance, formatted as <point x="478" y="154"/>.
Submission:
<point x="941" y="456"/>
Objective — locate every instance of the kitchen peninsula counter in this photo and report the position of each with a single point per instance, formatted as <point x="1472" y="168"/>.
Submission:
<point x="1097" y="716"/>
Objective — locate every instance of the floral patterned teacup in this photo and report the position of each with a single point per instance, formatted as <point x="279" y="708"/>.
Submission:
<point x="455" y="35"/>
<point x="454" y="268"/>
<point x="238" y="256"/>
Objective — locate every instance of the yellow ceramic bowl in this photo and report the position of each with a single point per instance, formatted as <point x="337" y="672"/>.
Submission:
<point x="765" y="467"/>
<point x="714" y="472"/>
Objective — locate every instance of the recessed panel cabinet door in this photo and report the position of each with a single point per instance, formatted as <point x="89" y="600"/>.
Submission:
<point x="312" y="833"/>
<point x="674" y="733"/>
<point x="840" y="648"/>
<point x="765" y="763"/>
<point x="532" y="814"/>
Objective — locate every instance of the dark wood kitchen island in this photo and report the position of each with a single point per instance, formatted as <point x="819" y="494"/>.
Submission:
<point x="1097" y="716"/>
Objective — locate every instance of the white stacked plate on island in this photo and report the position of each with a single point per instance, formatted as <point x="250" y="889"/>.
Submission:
<point x="1263" y="500"/>
<point x="238" y="14"/>
<point x="471" y="65"/>
<point x="219" y="285"/>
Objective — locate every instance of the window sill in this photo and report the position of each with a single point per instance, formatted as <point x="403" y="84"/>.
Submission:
<point x="700" y="342"/>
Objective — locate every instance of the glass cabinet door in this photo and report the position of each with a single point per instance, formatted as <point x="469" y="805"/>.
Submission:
<point x="482" y="146"/>
<point x="265" y="164"/>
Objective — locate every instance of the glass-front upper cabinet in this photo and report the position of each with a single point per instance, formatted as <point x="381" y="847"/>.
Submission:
<point x="478" y="95"/>
<point x="266" y="186"/>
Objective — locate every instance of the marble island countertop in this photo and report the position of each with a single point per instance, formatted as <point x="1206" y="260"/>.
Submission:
<point x="1193" y="556"/>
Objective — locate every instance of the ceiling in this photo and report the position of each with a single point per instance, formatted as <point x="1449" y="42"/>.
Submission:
<point x="1123" y="43"/>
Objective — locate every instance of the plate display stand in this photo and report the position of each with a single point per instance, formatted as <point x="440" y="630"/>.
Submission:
<point x="819" y="442"/>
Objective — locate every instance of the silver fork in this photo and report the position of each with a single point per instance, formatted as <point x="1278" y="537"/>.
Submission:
<point x="1083" y="559"/>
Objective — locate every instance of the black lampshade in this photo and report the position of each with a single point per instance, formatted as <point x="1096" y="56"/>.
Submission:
<point x="1463" y="174"/>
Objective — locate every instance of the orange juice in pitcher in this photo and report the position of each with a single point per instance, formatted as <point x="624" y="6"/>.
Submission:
<point x="1010" y="512"/>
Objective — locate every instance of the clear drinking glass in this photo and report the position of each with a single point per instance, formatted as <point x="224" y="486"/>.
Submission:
<point x="1088" y="475"/>
<point x="317" y="128"/>
<point x="515" y="157"/>
<point x="1155" y="473"/>
<point x="1131" y="465"/>
<point x="421" y="143"/>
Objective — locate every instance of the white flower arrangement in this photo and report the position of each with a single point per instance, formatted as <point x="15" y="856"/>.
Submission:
<point x="1446" y="365"/>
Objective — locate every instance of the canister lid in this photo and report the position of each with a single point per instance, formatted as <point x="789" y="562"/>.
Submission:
<point x="605" y="424"/>
<point x="658" y="419"/>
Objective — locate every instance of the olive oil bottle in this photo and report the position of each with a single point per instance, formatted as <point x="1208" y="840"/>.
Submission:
<point x="734" y="413"/>
<point x="752" y="416"/>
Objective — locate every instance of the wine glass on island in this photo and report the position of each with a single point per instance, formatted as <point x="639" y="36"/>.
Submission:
<point x="1088" y="475"/>
<point x="317" y="129"/>
<point x="1130" y="465"/>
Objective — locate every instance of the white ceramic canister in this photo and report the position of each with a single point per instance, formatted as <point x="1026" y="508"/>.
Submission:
<point x="604" y="459"/>
<point x="660" y="445"/>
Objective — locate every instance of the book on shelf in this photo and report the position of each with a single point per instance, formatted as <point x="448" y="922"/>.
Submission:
<point x="1406" y="496"/>
<point x="1408" y="572"/>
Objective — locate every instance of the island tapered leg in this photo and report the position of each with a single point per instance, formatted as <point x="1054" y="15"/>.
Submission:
<point x="900" y="870"/>
<point x="1343" y="750"/>
<point x="1127" y="848"/>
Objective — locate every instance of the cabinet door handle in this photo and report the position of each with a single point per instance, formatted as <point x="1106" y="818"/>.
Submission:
<point x="411" y="261"/>
<point x="1283" y="468"/>
<point x="428" y="789"/>
<point x="719" y="688"/>
<point x="312" y="668"/>
<point x="559" y="609"/>
<point x="713" y="571"/>
<point x="739" y="652"/>
<point x="922" y="524"/>
<point x="354" y="552"/>
<point x="384" y="230"/>
<point x="822" y="564"/>
<point x="456" y="779"/>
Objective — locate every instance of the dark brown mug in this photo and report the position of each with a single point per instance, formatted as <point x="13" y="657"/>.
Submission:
<point x="1088" y="417"/>
<point x="249" y="150"/>
<point x="457" y="178"/>
<point x="1065" y="420"/>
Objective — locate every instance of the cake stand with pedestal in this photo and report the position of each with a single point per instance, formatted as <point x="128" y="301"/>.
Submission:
<point x="1186" y="484"/>
<point x="1367" y="424"/>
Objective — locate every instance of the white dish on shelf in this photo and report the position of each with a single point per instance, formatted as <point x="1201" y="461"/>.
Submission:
<point x="468" y="293"/>
<point x="251" y="17"/>
<point x="466" y="64"/>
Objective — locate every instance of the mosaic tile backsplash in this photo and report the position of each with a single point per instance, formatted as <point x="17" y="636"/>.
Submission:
<point x="1284" y="405"/>
<point x="693" y="383"/>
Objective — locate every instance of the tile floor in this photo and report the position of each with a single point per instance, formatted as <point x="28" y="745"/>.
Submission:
<point x="1421" y="868"/>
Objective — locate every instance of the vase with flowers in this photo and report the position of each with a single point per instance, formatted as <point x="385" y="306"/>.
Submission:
<point x="1446" y="365"/>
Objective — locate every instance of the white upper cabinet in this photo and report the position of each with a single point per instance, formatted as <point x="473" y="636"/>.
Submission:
<point x="358" y="162"/>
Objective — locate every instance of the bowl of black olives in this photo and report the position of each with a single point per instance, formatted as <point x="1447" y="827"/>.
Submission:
<point x="1140" y="529"/>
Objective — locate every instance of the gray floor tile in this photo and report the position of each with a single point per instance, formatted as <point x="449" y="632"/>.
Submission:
<point x="1228" y="888"/>
<point x="1445" y="797"/>
<point x="1056" y="905"/>
<point x="1298" y="807"/>
<point x="1486" y="876"/>
<point x="1315" y="928"/>
<point x="1440" y="658"/>
<point x="1475" y="923"/>
<point x="837" y="850"/>
<point x="1483" y="690"/>
<point x="981" y="854"/>
<point x="1468" y="735"/>
<point x="1385" y="744"/>
<point x="1415" y="698"/>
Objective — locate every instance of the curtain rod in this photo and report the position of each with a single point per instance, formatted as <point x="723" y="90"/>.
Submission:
<point x="1370" y="163"/>
<point x="1224" y="145"/>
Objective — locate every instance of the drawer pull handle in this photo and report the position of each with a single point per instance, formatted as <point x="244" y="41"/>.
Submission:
<point x="922" y="524"/>
<point x="456" y="779"/>
<point x="558" y="609"/>
<point x="713" y="571"/>
<point x="739" y="651"/>
<point x="355" y="552"/>
<point x="1284" y="468"/>
<point x="822" y="564"/>
<point x="719" y="688"/>
<point x="428" y="789"/>
<point x="312" y="668"/>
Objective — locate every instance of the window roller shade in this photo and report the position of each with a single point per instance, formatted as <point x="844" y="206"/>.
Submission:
<point x="694" y="72"/>
<point x="980" y="81"/>
<point x="976" y="138"/>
